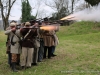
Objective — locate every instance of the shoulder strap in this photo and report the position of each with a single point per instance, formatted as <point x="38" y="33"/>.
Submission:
<point x="17" y="36"/>
<point x="12" y="39"/>
<point x="27" y="34"/>
<point x="24" y="36"/>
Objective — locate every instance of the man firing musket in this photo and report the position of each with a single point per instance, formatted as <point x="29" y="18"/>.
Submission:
<point x="15" y="48"/>
<point x="28" y="34"/>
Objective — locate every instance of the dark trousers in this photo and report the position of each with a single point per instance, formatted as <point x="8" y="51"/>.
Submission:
<point x="18" y="59"/>
<point x="9" y="58"/>
<point x="41" y="51"/>
<point x="53" y="49"/>
<point x="35" y="55"/>
<point x="49" y="51"/>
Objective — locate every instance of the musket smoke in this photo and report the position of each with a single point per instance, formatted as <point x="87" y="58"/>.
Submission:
<point x="89" y="14"/>
<point x="49" y="27"/>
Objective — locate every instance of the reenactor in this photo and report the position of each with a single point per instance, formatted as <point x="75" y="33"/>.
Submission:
<point x="48" y="40"/>
<point x="56" y="40"/>
<point x="8" y="44"/>
<point x="15" y="48"/>
<point x="28" y="34"/>
<point x="41" y="48"/>
<point x="36" y="41"/>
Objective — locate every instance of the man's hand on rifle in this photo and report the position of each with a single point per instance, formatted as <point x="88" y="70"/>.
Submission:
<point x="13" y="29"/>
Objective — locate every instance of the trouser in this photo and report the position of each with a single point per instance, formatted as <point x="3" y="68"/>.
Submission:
<point x="26" y="57"/>
<point x="35" y="55"/>
<point x="18" y="59"/>
<point x="14" y="57"/>
<point x="9" y="59"/>
<point x="49" y="51"/>
<point x="41" y="51"/>
<point x="53" y="49"/>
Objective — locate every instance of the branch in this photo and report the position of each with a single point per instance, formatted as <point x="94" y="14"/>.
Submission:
<point x="13" y="3"/>
<point x="10" y="6"/>
<point x="50" y="5"/>
<point x="1" y="5"/>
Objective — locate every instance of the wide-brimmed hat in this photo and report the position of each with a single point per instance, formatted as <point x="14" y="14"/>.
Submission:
<point x="46" y="19"/>
<point x="27" y="23"/>
<point x="12" y="24"/>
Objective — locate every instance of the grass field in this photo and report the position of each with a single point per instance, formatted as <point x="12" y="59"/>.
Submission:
<point x="78" y="53"/>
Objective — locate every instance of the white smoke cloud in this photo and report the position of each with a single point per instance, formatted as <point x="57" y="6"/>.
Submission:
<point x="89" y="14"/>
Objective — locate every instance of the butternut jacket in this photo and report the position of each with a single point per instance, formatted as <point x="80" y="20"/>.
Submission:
<point x="48" y="38"/>
<point x="16" y="48"/>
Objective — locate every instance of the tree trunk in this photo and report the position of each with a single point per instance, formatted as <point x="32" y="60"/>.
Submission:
<point x="8" y="9"/>
<point x="5" y="23"/>
<point x="73" y="5"/>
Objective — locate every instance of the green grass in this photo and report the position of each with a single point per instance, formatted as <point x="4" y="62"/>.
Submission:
<point x="79" y="28"/>
<point x="78" y="53"/>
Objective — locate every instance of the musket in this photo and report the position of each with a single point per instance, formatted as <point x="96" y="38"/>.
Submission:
<point x="65" y="18"/>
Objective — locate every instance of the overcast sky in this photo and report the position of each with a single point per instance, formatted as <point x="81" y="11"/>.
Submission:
<point x="16" y="9"/>
<point x="45" y="10"/>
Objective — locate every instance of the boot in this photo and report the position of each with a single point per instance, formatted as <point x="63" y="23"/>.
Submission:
<point x="14" y="67"/>
<point x="18" y="60"/>
<point x="18" y="63"/>
<point x="34" y="64"/>
<point x="10" y="65"/>
<point x="53" y="55"/>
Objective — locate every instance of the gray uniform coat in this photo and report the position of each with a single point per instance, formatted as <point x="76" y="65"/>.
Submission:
<point x="14" y="48"/>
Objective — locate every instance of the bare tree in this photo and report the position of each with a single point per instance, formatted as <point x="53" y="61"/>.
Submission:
<point x="37" y="7"/>
<point x="82" y="6"/>
<point x="41" y="14"/>
<point x="0" y="12"/>
<point x="5" y="6"/>
<point x="58" y="6"/>
<point x="73" y="5"/>
<point x="93" y="2"/>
